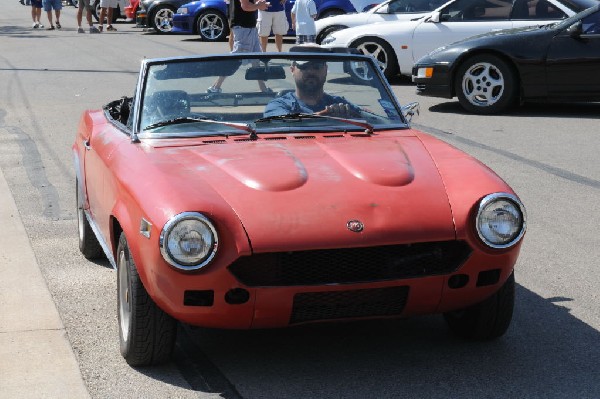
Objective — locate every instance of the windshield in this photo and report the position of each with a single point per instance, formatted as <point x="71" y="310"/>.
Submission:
<point x="265" y="93"/>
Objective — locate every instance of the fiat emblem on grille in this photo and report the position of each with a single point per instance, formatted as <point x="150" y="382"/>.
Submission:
<point x="355" y="226"/>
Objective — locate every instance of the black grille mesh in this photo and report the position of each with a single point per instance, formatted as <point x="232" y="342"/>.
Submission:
<point x="350" y="265"/>
<point x="311" y="306"/>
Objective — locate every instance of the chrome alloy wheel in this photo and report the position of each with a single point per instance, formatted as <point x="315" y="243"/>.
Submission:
<point x="483" y="84"/>
<point x="376" y="51"/>
<point x="211" y="26"/>
<point x="125" y="306"/>
<point x="163" y="20"/>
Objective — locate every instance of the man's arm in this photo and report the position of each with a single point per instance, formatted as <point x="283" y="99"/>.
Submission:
<point x="248" y="6"/>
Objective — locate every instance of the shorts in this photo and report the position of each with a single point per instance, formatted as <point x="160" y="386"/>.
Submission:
<point x="108" y="3"/>
<point x="52" y="5"/>
<point x="276" y="21"/>
<point x="84" y="5"/>
<point x="37" y="3"/>
<point x="245" y="40"/>
<point x="301" y="39"/>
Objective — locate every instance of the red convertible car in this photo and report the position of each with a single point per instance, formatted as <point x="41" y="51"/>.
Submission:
<point x="293" y="191"/>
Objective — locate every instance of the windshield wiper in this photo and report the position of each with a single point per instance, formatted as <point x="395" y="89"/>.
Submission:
<point x="189" y="119"/>
<point x="299" y="116"/>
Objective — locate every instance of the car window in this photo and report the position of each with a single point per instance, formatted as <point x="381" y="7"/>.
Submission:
<point x="542" y="9"/>
<point x="404" y="6"/>
<point x="591" y="24"/>
<point x="478" y="10"/>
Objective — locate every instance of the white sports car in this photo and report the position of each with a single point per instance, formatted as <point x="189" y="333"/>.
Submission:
<point x="398" y="45"/>
<point x="390" y="10"/>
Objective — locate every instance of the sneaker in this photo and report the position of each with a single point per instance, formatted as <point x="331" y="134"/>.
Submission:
<point x="93" y="29"/>
<point x="40" y="26"/>
<point x="111" y="28"/>
<point x="100" y="27"/>
<point x="51" y="27"/>
<point x="35" y="25"/>
<point x="212" y="89"/>
<point x="58" y="25"/>
<point x="80" y="30"/>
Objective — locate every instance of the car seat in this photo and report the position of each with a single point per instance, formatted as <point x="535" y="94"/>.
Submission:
<point x="520" y="10"/>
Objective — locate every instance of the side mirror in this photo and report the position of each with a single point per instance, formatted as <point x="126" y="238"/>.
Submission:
<point x="410" y="110"/>
<point x="384" y="9"/>
<point x="435" y="17"/>
<point x="576" y="29"/>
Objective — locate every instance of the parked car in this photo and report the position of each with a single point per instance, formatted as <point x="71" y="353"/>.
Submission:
<point x="493" y="72"/>
<point x="118" y="13"/>
<point x="208" y="18"/>
<point x="132" y="9"/>
<point x="390" y="10"/>
<point x="217" y="211"/>
<point x="398" y="45"/>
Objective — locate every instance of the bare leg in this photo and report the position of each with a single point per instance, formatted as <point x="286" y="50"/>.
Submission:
<point x="263" y="42"/>
<point x="279" y="42"/>
<point x="49" y="14"/>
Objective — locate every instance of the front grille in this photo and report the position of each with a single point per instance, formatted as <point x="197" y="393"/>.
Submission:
<point x="350" y="265"/>
<point x="311" y="306"/>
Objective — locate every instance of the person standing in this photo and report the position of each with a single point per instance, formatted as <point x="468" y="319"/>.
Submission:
<point x="304" y="14"/>
<point x="106" y="11"/>
<point x="273" y="18"/>
<point x="245" y="33"/>
<point x="55" y="5"/>
<point x="36" y="14"/>
<point x="85" y="4"/>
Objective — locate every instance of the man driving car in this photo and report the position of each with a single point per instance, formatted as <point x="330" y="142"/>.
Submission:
<point x="309" y="96"/>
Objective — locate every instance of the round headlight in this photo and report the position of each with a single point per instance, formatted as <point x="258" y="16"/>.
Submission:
<point x="188" y="241"/>
<point x="501" y="220"/>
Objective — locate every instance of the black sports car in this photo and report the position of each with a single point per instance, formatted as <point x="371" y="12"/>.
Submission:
<point x="491" y="72"/>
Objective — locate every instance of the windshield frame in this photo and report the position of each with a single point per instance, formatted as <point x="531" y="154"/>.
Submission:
<point x="333" y="55"/>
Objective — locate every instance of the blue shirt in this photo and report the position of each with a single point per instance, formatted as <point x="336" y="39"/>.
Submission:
<point x="290" y="104"/>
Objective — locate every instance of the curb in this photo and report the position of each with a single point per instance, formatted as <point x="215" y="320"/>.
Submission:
<point x="36" y="359"/>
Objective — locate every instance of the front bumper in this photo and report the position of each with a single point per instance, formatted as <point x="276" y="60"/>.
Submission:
<point x="224" y="296"/>
<point x="438" y="84"/>
<point x="141" y="19"/>
<point x="183" y="23"/>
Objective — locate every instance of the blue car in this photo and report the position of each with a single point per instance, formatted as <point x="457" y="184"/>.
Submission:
<point x="208" y="18"/>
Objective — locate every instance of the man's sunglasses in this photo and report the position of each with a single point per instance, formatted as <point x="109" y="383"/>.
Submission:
<point x="310" y="65"/>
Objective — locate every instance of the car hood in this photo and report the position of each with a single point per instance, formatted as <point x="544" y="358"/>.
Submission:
<point x="386" y="29"/>
<point x="304" y="193"/>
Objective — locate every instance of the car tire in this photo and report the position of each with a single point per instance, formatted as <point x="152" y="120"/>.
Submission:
<point x="162" y="19"/>
<point x="328" y="31"/>
<point x="89" y="245"/>
<point x="212" y="26"/>
<point x="486" y="84"/>
<point x="486" y="320"/>
<point x="147" y="334"/>
<point x="382" y="53"/>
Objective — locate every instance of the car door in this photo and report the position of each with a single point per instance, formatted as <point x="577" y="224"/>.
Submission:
<point x="459" y="20"/>
<point x="573" y="62"/>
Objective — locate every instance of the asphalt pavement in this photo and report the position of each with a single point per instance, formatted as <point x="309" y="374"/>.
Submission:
<point x="36" y="359"/>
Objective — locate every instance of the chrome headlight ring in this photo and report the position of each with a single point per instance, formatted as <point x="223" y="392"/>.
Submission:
<point x="501" y="220"/>
<point x="188" y="241"/>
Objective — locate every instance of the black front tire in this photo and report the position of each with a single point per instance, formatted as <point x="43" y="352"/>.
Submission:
<point x="147" y="334"/>
<point x="328" y="31"/>
<point x="486" y="320"/>
<point x="381" y="51"/>
<point x="485" y="84"/>
<point x="89" y="245"/>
